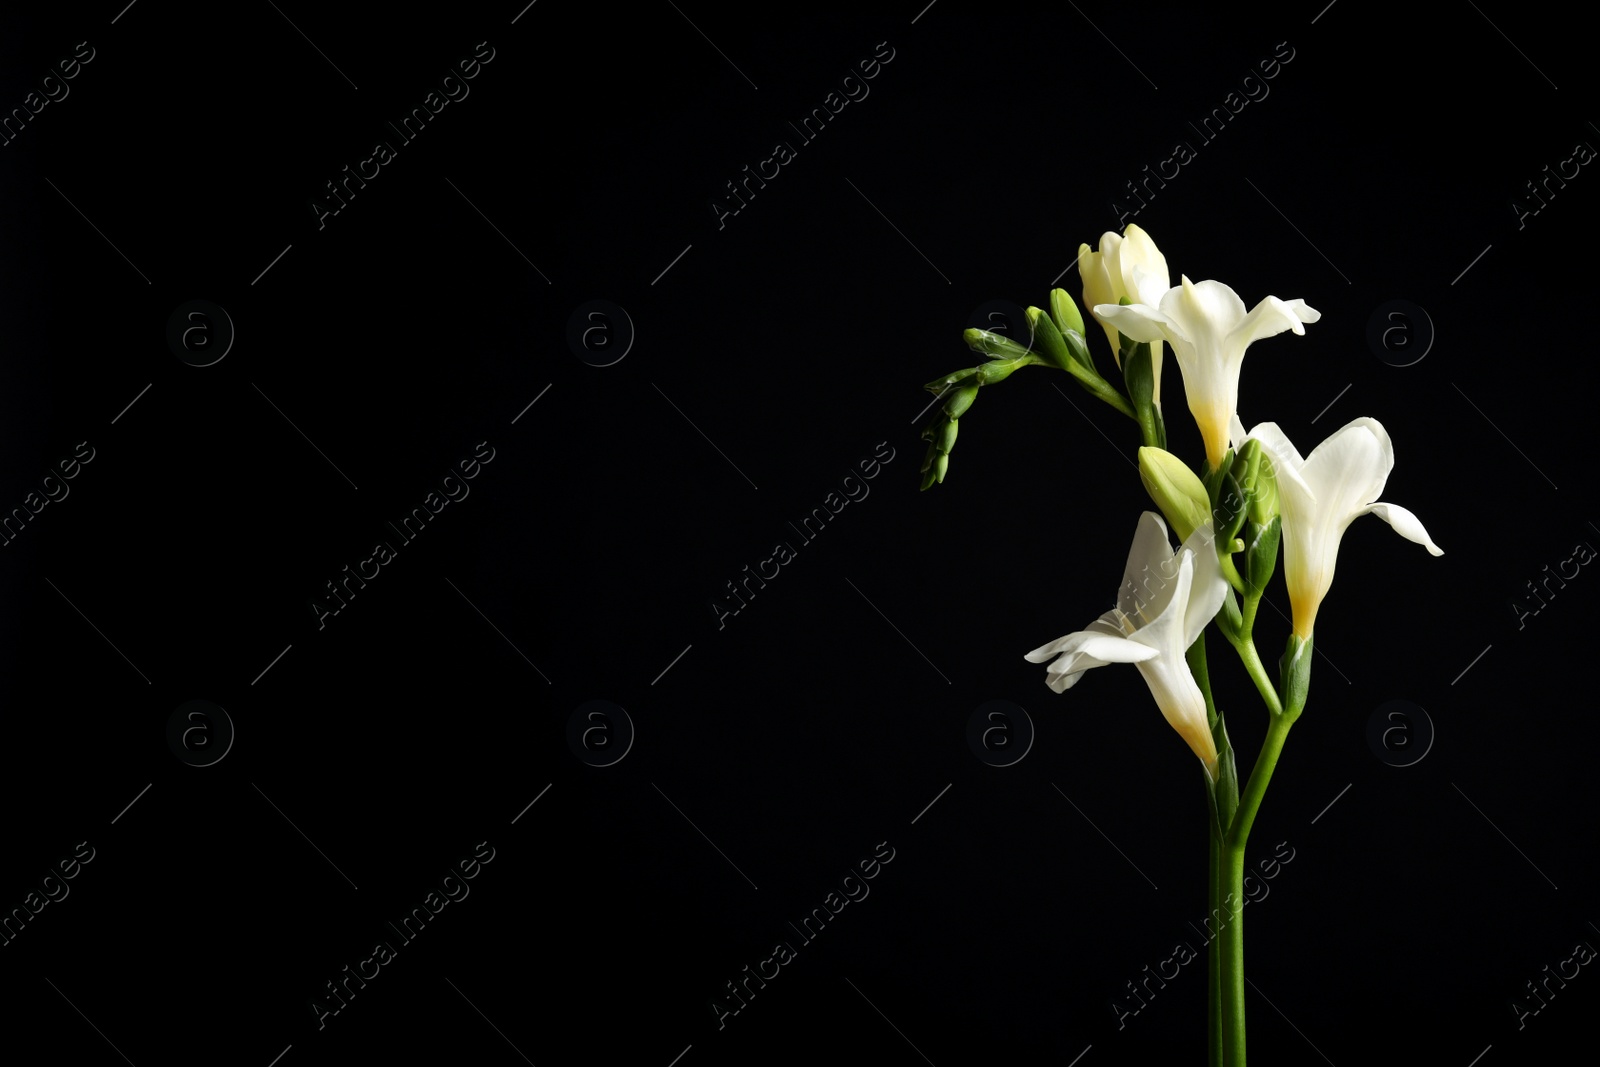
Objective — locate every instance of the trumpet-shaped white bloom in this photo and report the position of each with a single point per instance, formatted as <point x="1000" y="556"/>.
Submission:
<point x="1209" y="329"/>
<point x="1320" y="495"/>
<point x="1128" y="265"/>
<point x="1165" y="601"/>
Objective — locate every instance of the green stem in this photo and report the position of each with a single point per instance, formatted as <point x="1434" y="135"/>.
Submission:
<point x="1101" y="388"/>
<point x="1232" y="888"/>
<point x="1230" y="942"/>
<point x="1215" y="1028"/>
<point x="1260" y="775"/>
<point x="1196" y="655"/>
<point x="1147" y="428"/>
<point x="1257" y="670"/>
<point x="1244" y="643"/>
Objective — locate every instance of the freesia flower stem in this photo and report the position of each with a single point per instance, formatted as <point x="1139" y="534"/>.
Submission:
<point x="1196" y="656"/>
<point x="1246" y="647"/>
<point x="1231" y="938"/>
<point x="1229" y="943"/>
<point x="1216" y="1029"/>
<point x="1100" y="388"/>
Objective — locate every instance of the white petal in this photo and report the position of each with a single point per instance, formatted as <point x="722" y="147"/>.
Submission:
<point x="1096" y="286"/>
<point x="1160" y="622"/>
<point x="1236" y="434"/>
<point x="1082" y="651"/>
<point x="1208" y="588"/>
<point x="1271" y="316"/>
<point x="1138" y="321"/>
<point x="1405" y="524"/>
<point x="1144" y="268"/>
<point x="1148" y="576"/>
<point x="1182" y="704"/>
<point x="1203" y="309"/>
<point x="1097" y="291"/>
<point x="1099" y="646"/>
<point x="1305" y="311"/>
<point x="1348" y="470"/>
<point x="1270" y="435"/>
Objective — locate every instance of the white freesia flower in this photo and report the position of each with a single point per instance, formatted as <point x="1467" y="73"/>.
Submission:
<point x="1129" y="265"/>
<point x="1320" y="495"/>
<point x="1209" y="330"/>
<point x="1165" y="601"/>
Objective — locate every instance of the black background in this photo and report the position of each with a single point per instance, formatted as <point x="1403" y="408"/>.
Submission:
<point x="825" y="717"/>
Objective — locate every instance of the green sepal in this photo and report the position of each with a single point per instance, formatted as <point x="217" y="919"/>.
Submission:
<point x="1078" y="348"/>
<point x="1294" y="673"/>
<point x="1261" y="554"/>
<point x="1212" y="477"/>
<point x="1139" y="375"/>
<point x="1047" y="339"/>
<point x="939" y="385"/>
<point x="960" y="400"/>
<point x="1225" y="790"/>
<point x="1065" y="312"/>
<point x="998" y="370"/>
<point x="1252" y="467"/>
<point x="992" y="344"/>
<point x="1229" y="620"/>
<point x="1228" y="510"/>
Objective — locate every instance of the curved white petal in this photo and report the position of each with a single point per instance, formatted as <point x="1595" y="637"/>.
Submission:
<point x="1236" y="433"/>
<point x="1277" y="442"/>
<point x="1202" y="309"/>
<point x="1182" y="705"/>
<point x="1144" y="268"/>
<point x="1304" y="311"/>
<point x="1138" y="321"/>
<point x="1148" y="577"/>
<point x="1405" y="524"/>
<point x="1347" y="471"/>
<point x="1097" y="290"/>
<point x="1208" y="587"/>
<point x="1160" y="623"/>
<point x="1082" y="651"/>
<point x="1270" y="317"/>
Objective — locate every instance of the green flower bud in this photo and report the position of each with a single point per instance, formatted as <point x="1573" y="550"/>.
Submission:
<point x="1228" y="514"/>
<point x="1079" y="350"/>
<point x="1253" y="469"/>
<point x="1176" y="490"/>
<point x="993" y="344"/>
<point x="1065" y="312"/>
<point x="940" y="465"/>
<point x="945" y="436"/>
<point x="939" y="385"/>
<point x="1294" y="672"/>
<point x="960" y="400"/>
<point x="1260" y="554"/>
<point x="1048" y="339"/>
<point x="1212" y="476"/>
<point x="998" y="370"/>
<point x="1225" y="790"/>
